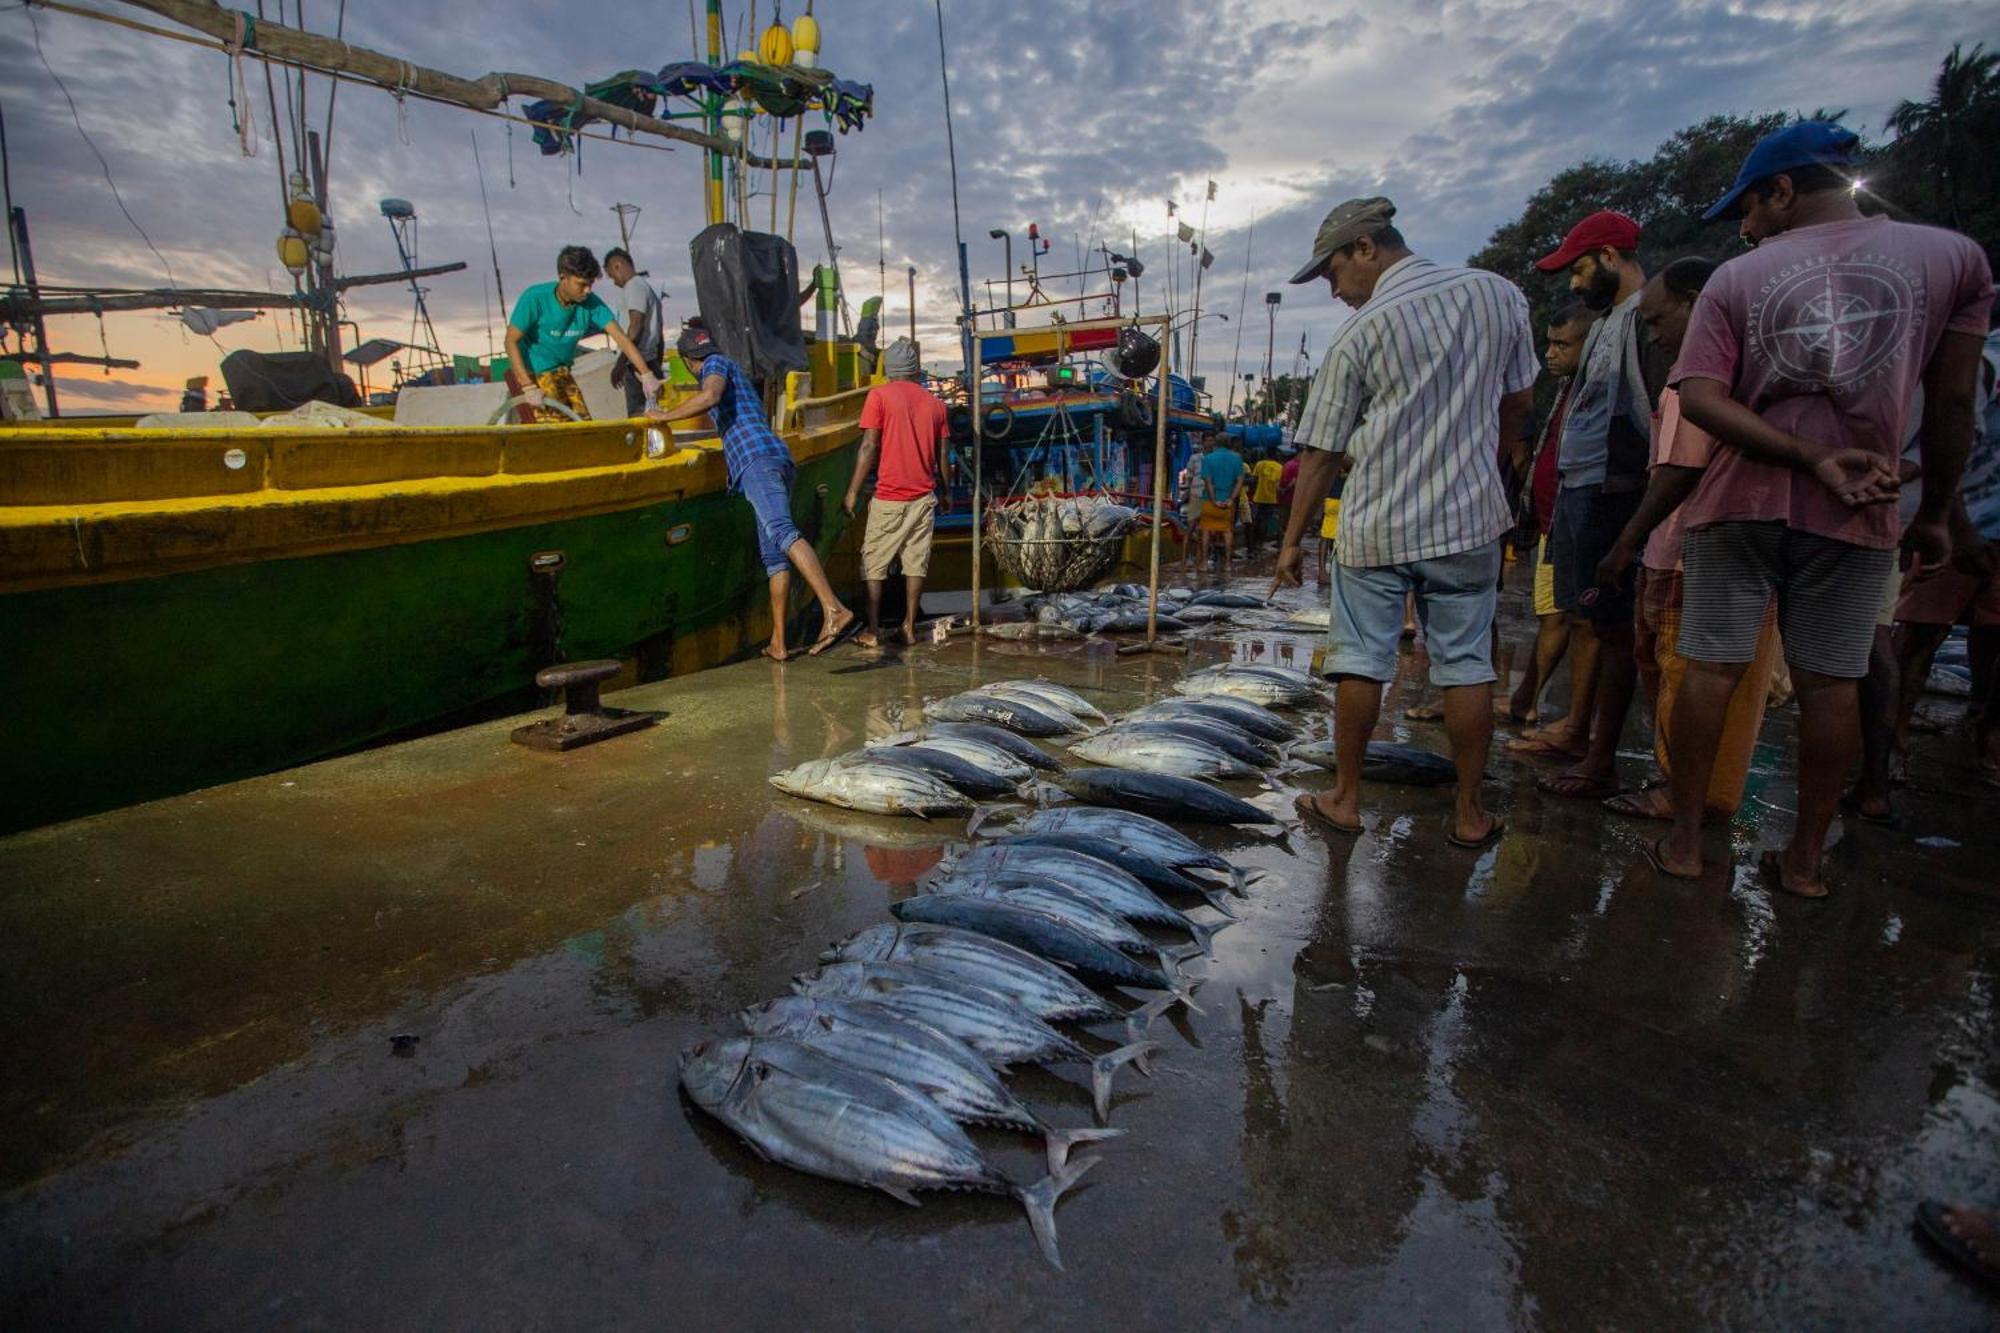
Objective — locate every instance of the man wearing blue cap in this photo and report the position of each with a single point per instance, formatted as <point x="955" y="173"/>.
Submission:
<point x="1801" y="358"/>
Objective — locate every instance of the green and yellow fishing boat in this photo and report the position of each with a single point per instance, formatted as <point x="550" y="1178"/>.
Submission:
<point x="185" y="608"/>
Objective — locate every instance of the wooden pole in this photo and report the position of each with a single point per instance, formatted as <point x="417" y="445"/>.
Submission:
<point x="489" y="92"/>
<point x="175" y="298"/>
<point x="1159" y="485"/>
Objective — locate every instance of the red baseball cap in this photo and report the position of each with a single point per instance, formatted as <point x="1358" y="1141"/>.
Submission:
<point x="1602" y="228"/>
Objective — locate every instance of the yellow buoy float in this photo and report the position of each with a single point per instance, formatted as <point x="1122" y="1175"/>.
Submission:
<point x="775" y="46"/>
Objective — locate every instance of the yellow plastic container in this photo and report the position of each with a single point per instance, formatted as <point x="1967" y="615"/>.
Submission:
<point x="1329" y="523"/>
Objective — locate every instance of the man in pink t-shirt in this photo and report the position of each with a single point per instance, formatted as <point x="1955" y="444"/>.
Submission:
<point x="1801" y="358"/>
<point x="905" y="427"/>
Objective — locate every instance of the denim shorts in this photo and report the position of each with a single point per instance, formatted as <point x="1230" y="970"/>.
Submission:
<point x="1456" y="595"/>
<point x="767" y="484"/>
<point x="1587" y="524"/>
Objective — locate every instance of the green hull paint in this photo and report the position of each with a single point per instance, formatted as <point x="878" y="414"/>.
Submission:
<point x="125" y="692"/>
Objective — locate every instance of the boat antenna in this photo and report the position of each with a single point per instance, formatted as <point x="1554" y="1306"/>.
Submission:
<point x="881" y="251"/>
<point x="972" y="376"/>
<point x="499" y="288"/>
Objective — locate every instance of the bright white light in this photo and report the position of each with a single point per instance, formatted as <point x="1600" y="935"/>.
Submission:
<point x="1859" y="185"/>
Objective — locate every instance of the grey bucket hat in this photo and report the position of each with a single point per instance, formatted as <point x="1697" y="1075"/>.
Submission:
<point x="1347" y="223"/>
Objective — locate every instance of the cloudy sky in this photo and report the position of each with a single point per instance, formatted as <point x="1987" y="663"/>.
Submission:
<point x="1084" y="116"/>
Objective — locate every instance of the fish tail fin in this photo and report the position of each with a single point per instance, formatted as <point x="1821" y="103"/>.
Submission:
<point x="1219" y="901"/>
<point x="981" y="813"/>
<point x="1062" y="1141"/>
<point x="1178" y="985"/>
<point x="1140" y="1021"/>
<point x="1039" y="1199"/>
<point x="1204" y="935"/>
<point x="1102" y="1067"/>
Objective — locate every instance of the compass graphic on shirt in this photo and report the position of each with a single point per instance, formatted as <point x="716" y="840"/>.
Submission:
<point x="1836" y="323"/>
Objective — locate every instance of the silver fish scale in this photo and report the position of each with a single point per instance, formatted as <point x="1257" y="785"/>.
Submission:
<point x="1000" y="1030"/>
<point x="876" y="1039"/>
<point x="1032" y="982"/>
<point x="1046" y="895"/>
<point x="806" y="1111"/>
<point x="1171" y="753"/>
<point x="1142" y="833"/>
<point x="1100" y="881"/>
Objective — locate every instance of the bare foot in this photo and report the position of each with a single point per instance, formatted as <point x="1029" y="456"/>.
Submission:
<point x="1323" y="808"/>
<point x="1548" y="743"/>
<point x="776" y="652"/>
<point x="1675" y="861"/>
<point x="1429" y="712"/>
<point x="836" y="630"/>
<point x="1779" y="872"/>
<point x="867" y="638"/>
<point x="1577" y="785"/>
<point x="1651" y="803"/>
<point x="910" y="635"/>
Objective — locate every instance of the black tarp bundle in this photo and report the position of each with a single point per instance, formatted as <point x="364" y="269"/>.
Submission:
<point x="281" y="381"/>
<point x="747" y="284"/>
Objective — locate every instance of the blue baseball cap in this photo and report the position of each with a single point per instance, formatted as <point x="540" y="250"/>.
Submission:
<point x="1805" y="144"/>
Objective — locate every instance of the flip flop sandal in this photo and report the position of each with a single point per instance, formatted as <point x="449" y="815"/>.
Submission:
<point x="1308" y="810"/>
<point x="1583" y="789"/>
<point x="1540" y="747"/>
<point x="1476" y="844"/>
<point x="1627" y="804"/>
<point x="1930" y="1222"/>
<point x="1769" y="866"/>
<point x="1658" y="860"/>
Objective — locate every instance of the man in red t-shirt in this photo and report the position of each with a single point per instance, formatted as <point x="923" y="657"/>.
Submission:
<point x="1801" y="359"/>
<point x="904" y="427"/>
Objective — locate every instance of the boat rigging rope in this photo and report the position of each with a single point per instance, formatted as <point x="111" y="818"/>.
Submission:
<point x="103" y="165"/>
<point x="242" y="112"/>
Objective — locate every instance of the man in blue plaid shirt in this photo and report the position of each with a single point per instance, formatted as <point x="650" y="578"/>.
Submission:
<point x="761" y="470"/>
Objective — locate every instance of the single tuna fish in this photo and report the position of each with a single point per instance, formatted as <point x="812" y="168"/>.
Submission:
<point x="1010" y="712"/>
<point x="1232" y="740"/>
<point x="874" y="1038"/>
<point x="990" y="759"/>
<point x="1256" y="686"/>
<point x="1060" y="696"/>
<point x="800" y="1109"/>
<point x="1159" y="876"/>
<point x="1100" y="881"/>
<point x="1168" y="752"/>
<point x="1038" y="933"/>
<point x="1163" y="796"/>
<point x="1039" y="702"/>
<point x="1019" y="630"/>
<point x="1032" y="982"/>
<point x="962" y="774"/>
<point x="999" y="738"/>
<point x="1256" y="719"/>
<point x="1142" y="833"/>
<point x="1385" y="762"/>
<point x="1001" y="1031"/>
<point x="879" y="789"/>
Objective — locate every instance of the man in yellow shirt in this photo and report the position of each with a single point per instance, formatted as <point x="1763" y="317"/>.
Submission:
<point x="1265" y="476"/>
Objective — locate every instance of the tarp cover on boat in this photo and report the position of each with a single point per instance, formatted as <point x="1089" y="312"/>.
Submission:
<point x="280" y="381"/>
<point x="747" y="283"/>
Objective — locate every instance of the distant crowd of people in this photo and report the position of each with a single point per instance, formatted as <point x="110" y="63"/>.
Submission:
<point x="1734" y="455"/>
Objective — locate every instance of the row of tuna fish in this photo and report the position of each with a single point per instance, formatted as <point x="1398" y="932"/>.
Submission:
<point x="872" y="1068"/>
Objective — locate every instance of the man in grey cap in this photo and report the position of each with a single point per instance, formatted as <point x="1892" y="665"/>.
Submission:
<point x="904" y="427"/>
<point x="1413" y="396"/>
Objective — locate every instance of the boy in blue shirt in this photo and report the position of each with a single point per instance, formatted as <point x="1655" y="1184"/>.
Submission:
<point x="760" y="468"/>
<point x="542" y="333"/>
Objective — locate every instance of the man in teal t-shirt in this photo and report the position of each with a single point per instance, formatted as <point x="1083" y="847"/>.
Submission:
<point x="542" y="333"/>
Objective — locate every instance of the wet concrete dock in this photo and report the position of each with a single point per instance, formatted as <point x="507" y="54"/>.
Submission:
<point x="1534" y="1087"/>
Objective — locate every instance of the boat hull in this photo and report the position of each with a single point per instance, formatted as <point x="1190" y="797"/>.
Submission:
<point x="134" y="685"/>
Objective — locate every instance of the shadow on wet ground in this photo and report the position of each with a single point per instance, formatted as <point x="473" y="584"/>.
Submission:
<point x="1535" y="1086"/>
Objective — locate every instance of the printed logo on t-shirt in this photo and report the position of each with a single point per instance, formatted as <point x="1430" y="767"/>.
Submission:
<point x="1836" y="323"/>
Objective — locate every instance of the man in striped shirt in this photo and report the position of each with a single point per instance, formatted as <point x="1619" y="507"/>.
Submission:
<point x="1417" y="391"/>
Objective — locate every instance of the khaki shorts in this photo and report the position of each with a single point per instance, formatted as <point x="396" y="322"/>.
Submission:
<point x="898" y="527"/>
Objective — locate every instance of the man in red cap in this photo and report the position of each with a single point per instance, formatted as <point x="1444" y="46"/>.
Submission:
<point x="1603" y="459"/>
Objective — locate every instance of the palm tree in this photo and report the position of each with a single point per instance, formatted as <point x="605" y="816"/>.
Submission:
<point x="1965" y="83"/>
